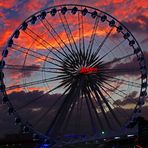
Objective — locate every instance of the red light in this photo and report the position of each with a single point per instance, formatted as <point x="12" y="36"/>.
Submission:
<point x="87" y="70"/>
<point x="138" y="146"/>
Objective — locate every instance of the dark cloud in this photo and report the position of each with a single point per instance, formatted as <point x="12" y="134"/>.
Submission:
<point x="28" y="70"/>
<point x="130" y="99"/>
<point x="138" y="25"/>
<point x="116" y="35"/>
<point x="144" y="41"/>
<point x="146" y="58"/>
<point x="143" y="18"/>
<point x="45" y="101"/>
<point x="21" y="71"/>
<point x="36" y="109"/>
<point x="30" y="108"/>
<point x="10" y="14"/>
<point x="129" y="66"/>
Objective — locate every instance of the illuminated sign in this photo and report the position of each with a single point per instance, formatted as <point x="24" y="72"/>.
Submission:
<point x="88" y="70"/>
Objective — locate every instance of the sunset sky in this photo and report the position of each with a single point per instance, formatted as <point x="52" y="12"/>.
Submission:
<point x="132" y="13"/>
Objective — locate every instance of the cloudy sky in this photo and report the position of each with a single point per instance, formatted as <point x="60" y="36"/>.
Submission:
<point x="132" y="13"/>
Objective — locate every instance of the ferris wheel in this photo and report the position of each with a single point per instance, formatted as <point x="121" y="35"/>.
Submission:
<point x="73" y="71"/>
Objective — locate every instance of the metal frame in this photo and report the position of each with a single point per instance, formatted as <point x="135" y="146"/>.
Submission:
<point x="70" y="78"/>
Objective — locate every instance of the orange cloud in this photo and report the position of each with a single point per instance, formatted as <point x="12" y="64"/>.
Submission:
<point x="7" y="4"/>
<point x="121" y="9"/>
<point x="118" y="1"/>
<point x="6" y="31"/>
<point x="122" y="13"/>
<point x="31" y="89"/>
<point x="5" y="36"/>
<point x="35" y="5"/>
<point x="15" y="90"/>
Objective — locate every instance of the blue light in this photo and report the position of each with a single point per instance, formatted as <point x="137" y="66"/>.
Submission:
<point x="74" y="136"/>
<point x="44" y="146"/>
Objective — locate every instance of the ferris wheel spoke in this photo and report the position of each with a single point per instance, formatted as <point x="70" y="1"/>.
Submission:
<point x="118" y="92"/>
<point x="83" y="35"/>
<point x="71" y="35"/>
<point x="39" y="97"/>
<point x="93" y="125"/>
<point x="111" y="89"/>
<point x="125" y="82"/>
<point x="95" y="58"/>
<point x="114" y="102"/>
<point x="103" y="42"/>
<point x="120" y="71"/>
<point x="115" y="88"/>
<point x="68" y="32"/>
<point x="35" y="82"/>
<point x="80" y="109"/>
<point x="94" y="108"/>
<point x="24" y="70"/>
<point x="101" y="106"/>
<point x="40" y="58"/>
<point x="113" y="61"/>
<point x="51" y="107"/>
<point x="68" y="115"/>
<point x="43" y="57"/>
<point x="80" y="33"/>
<point x="31" y="50"/>
<point x="118" y="59"/>
<point x="48" y="29"/>
<point x="60" y="40"/>
<point x="115" y="47"/>
<point x="27" y="54"/>
<point x="108" y="70"/>
<point x="107" y="104"/>
<point x="31" y="67"/>
<point x="62" y="111"/>
<point x="91" y="41"/>
<point x="43" y="42"/>
<point x="72" y="107"/>
<point x="37" y="68"/>
<point x="70" y="39"/>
